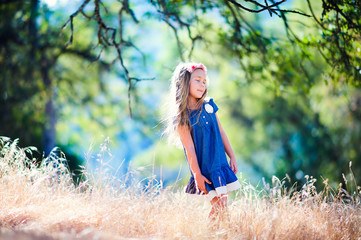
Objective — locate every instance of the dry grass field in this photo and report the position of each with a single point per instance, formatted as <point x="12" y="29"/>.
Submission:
<point x="41" y="202"/>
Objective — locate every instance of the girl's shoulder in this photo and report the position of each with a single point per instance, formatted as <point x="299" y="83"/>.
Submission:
<point x="208" y="100"/>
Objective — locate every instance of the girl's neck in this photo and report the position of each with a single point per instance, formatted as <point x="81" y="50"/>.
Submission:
<point x="192" y="103"/>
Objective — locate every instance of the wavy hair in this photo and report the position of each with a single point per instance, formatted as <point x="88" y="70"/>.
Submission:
<point x="177" y="111"/>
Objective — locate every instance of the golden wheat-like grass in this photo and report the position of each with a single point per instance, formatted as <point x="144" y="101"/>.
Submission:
<point x="41" y="202"/>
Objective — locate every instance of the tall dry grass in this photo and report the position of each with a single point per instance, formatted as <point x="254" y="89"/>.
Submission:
<point x="41" y="202"/>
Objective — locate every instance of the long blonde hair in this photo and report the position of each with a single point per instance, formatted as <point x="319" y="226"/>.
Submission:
<point x="177" y="102"/>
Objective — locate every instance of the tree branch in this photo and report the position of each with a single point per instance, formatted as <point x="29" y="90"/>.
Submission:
<point x="270" y="8"/>
<point x="107" y="37"/>
<point x="71" y="22"/>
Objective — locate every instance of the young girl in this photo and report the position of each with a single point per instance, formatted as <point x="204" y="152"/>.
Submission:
<point x="193" y="118"/>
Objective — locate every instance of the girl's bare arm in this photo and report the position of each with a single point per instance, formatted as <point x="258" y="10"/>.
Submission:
<point x="188" y="144"/>
<point x="228" y="148"/>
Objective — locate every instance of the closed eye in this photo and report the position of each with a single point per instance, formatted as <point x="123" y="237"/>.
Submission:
<point x="201" y="80"/>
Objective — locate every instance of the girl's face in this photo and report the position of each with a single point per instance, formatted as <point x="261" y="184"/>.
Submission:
<point x="198" y="83"/>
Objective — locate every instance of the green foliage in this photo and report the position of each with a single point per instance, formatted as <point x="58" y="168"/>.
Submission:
<point x="339" y="41"/>
<point x="163" y="155"/>
<point x="38" y="69"/>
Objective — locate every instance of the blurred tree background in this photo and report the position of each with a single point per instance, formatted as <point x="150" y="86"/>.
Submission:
<point x="285" y="74"/>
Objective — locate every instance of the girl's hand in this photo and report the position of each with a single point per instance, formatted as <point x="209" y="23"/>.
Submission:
<point x="200" y="182"/>
<point x="233" y="165"/>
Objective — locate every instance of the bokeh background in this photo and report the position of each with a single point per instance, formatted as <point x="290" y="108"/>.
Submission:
<point x="287" y="82"/>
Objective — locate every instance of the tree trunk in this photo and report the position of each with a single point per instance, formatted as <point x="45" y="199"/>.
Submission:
<point x="33" y="33"/>
<point x="49" y="134"/>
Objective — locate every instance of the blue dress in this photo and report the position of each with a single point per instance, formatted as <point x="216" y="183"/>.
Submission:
<point x="210" y="152"/>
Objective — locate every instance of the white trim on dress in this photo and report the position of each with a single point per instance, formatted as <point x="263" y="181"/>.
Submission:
<point x="223" y="190"/>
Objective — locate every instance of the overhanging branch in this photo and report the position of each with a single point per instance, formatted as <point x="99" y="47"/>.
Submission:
<point x="107" y="37"/>
<point x="270" y="8"/>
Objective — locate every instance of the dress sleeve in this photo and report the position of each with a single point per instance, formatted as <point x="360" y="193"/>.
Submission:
<point x="212" y="103"/>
